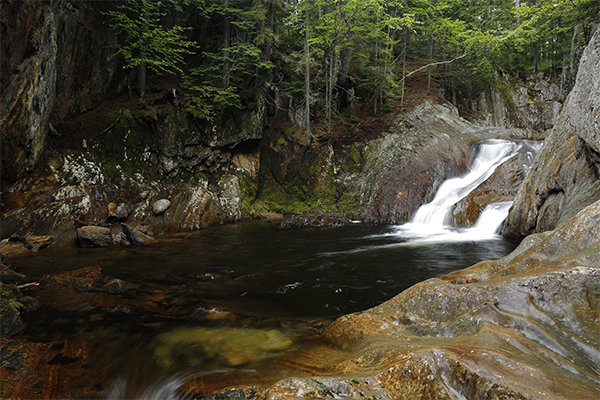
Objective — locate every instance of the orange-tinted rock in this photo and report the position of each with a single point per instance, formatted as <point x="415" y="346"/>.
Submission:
<point x="57" y="367"/>
<point x="82" y="279"/>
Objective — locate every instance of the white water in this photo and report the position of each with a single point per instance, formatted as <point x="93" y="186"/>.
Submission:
<point x="431" y="221"/>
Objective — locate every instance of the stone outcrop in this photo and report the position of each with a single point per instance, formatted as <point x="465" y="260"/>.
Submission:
<point x="566" y="175"/>
<point x="79" y="192"/>
<point x="532" y="104"/>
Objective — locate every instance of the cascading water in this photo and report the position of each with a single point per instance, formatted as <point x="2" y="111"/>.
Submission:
<point x="431" y="222"/>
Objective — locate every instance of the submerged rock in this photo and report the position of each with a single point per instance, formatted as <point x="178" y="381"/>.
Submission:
<point x="82" y="279"/>
<point x="12" y="304"/>
<point x="228" y="346"/>
<point x="116" y="286"/>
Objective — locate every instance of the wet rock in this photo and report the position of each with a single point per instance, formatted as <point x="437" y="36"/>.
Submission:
<point x="525" y="326"/>
<point x="116" y="286"/>
<point x="9" y="276"/>
<point x="94" y="236"/>
<point x="160" y="206"/>
<point x="36" y="242"/>
<point x="315" y="221"/>
<point x="137" y="238"/>
<point x="117" y="212"/>
<point x="82" y="279"/>
<point x="19" y="245"/>
<point x="565" y="175"/>
<point x="49" y="360"/>
<point x="12" y="249"/>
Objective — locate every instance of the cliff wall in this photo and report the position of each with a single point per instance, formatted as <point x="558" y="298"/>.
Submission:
<point x="565" y="177"/>
<point x="54" y="65"/>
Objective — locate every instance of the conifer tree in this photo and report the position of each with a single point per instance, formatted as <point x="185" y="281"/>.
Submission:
<point x="145" y="42"/>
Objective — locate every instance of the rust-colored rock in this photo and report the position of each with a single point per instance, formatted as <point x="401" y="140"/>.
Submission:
<point x="82" y="279"/>
<point x="57" y="367"/>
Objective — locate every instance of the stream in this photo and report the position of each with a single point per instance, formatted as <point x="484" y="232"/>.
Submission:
<point x="224" y="304"/>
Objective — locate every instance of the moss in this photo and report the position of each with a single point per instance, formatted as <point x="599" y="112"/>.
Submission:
<point x="11" y="277"/>
<point x="281" y="143"/>
<point x="12" y="304"/>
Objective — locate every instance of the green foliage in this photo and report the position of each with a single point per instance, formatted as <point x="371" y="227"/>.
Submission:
<point x="145" y="40"/>
<point x="230" y="59"/>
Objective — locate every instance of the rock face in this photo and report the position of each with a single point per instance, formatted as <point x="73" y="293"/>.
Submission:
<point x="79" y="193"/>
<point x="565" y="176"/>
<point x="54" y="64"/>
<point x="532" y="104"/>
<point x="525" y="326"/>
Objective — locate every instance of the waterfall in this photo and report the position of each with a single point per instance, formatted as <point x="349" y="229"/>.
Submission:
<point x="431" y="221"/>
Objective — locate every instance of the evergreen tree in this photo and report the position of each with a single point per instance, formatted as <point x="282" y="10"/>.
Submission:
<point x="146" y="43"/>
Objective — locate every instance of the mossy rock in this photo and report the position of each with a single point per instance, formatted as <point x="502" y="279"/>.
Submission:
<point x="12" y="304"/>
<point x="10" y="277"/>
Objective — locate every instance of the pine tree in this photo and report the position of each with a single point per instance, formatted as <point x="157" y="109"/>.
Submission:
<point x="145" y="42"/>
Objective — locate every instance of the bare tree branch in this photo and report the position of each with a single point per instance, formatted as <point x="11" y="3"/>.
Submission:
<point x="437" y="63"/>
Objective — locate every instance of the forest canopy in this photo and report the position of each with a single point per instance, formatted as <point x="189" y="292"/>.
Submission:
<point x="329" y="53"/>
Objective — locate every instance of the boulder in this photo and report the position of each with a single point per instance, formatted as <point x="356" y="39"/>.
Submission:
<point x="160" y="206"/>
<point x="135" y="237"/>
<point x="94" y="236"/>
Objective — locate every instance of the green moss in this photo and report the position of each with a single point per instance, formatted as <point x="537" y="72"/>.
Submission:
<point x="281" y="143"/>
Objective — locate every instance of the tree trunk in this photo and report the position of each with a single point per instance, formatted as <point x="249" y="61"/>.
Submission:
<point x="430" y="57"/>
<point x="142" y="80"/>
<point x="226" y="44"/>
<point x="307" y="74"/>
<point x="404" y="46"/>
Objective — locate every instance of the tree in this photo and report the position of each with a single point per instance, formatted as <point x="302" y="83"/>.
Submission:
<point x="146" y="43"/>
<point x="229" y="58"/>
